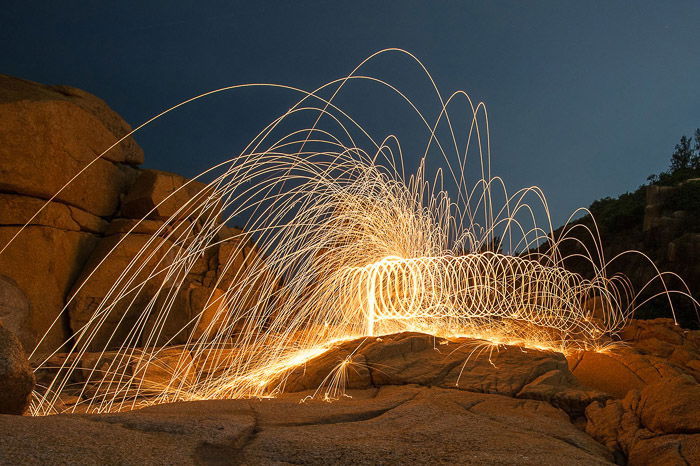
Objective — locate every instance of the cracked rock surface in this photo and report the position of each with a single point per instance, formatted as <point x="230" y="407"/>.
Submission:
<point x="388" y="425"/>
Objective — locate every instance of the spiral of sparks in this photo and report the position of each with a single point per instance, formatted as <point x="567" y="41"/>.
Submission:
<point x="348" y="246"/>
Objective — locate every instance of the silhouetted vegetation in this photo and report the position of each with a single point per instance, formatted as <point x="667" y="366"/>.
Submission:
<point x="627" y="210"/>
<point x="686" y="197"/>
<point x="621" y="224"/>
<point x="685" y="162"/>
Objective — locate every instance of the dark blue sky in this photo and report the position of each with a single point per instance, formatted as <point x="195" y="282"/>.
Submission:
<point x="585" y="99"/>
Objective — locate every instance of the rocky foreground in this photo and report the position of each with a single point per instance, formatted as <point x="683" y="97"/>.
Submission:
<point x="383" y="425"/>
<point x="414" y="398"/>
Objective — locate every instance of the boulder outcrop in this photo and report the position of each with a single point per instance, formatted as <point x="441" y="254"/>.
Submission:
<point x="44" y="262"/>
<point x="462" y="364"/>
<point x="408" y="396"/>
<point x="48" y="135"/>
<point x="638" y="400"/>
<point x="16" y="376"/>
<point x="14" y="310"/>
<point x="651" y="351"/>
<point x="141" y="257"/>
<point x="159" y="195"/>
<point x="655" y="416"/>
<point x="83" y="239"/>
<point x="63" y="131"/>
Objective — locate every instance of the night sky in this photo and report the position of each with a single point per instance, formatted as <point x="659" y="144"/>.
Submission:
<point x="585" y="99"/>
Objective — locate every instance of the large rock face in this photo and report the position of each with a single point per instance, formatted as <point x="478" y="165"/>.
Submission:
<point x="659" y="424"/>
<point x="160" y="195"/>
<point x="48" y="134"/>
<point x="16" y="376"/>
<point x="641" y="400"/>
<point x="655" y="418"/>
<point x="60" y="131"/>
<point x="399" y="398"/>
<point x="14" y="90"/>
<point x="113" y="255"/>
<point x="653" y="351"/>
<point x="160" y="215"/>
<point x="20" y="210"/>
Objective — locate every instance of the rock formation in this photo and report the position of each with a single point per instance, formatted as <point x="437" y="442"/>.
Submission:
<point x="655" y="417"/>
<point x="642" y="401"/>
<point x="637" y="400"/>
<point x="49" y="135"/>
<point x="659" y="424"/>
<point x="16" y="376"/>
<point x="462" y="364"/>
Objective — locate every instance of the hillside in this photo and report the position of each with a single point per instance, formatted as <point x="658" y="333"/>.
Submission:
<point x="661" y="219"/>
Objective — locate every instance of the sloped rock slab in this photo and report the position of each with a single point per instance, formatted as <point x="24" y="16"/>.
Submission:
<point x="389" y="425"/>
<point x="464" y="364"/>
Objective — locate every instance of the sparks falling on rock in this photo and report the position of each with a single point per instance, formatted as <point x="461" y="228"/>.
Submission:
<point x="347" y="245"/>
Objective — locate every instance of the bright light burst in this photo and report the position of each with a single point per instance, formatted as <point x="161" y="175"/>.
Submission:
<point x="349" y="246"/>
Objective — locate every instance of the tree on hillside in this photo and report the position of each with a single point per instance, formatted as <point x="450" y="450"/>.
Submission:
<point x="685" y="162"/>
<point x="683" y="155"/>
<point x="695" y="160"/>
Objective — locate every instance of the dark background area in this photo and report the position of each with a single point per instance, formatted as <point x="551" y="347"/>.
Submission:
<point x="585" y="99"/>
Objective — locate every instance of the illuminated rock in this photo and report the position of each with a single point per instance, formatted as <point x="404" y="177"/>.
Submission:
<point x="54" y="246"/>
<point x="657" y="419"/>
<point x="619" y="371"/>
<point x="653" y="351"/>
<point x="168" y="369"/>
<point x="109" y="259"/>
<point x="48" y="134"/>
<point x="14" y="311"/>
<point x="464" y="364"/>
<point x="15" y="90"/>
<point x="238" y="259"/>
<point x="197" y="312"/>
<point x="19" y="210"/>
<point x="61" y="130"/>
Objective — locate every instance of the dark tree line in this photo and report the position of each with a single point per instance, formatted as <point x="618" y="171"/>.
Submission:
<point x="687" y="153"/>
<point x="627" y="210"/>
